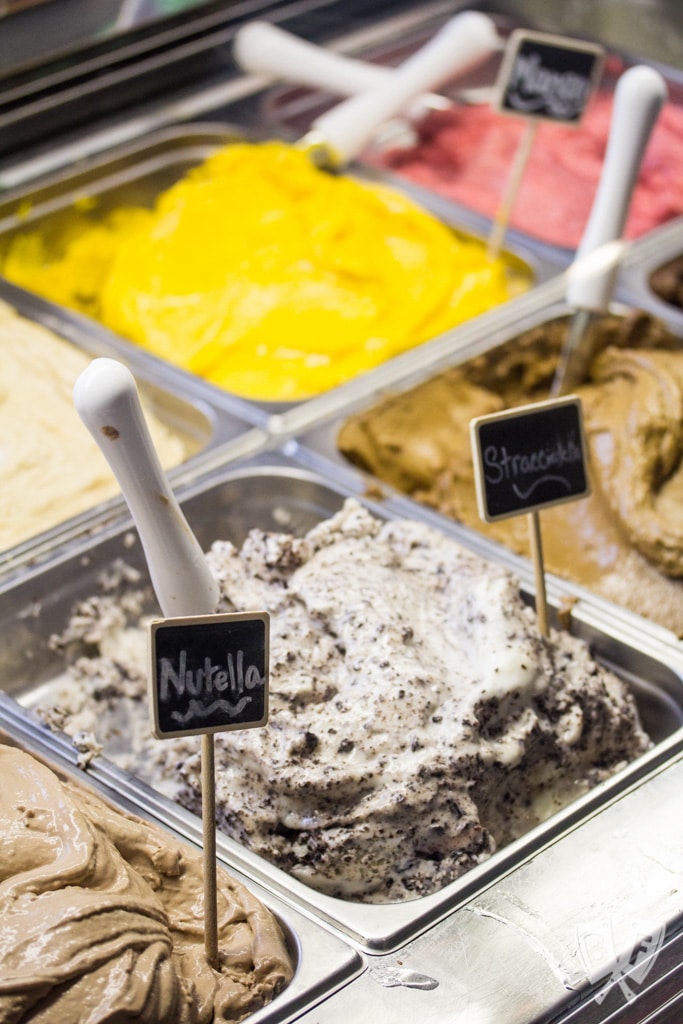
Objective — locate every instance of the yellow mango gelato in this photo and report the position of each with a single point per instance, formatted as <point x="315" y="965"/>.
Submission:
<point x="269" y="277"/>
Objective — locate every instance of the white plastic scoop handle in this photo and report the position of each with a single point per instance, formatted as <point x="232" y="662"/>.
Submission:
<point x="638" y="98"/>
<point x="106" y="398"/>
<point x="458" y="46"/>
<point x="264" y="49"/>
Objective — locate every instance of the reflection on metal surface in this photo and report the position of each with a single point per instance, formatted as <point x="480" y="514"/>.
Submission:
<point x="12" y="6"/>
<point x="391" y="977"/>
<point x="632" y="947"/>
<point x="34" y="30"/>
<point x="515" y="914"/>
<point x="135" y="12"/>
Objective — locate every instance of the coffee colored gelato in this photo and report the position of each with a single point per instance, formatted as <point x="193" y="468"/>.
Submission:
<point x="418" y="718"/>
<point x="50" y="468"/>
<point x="625" y="541"/>
<point x="101" y="916"/>
<point x="667" y="282"/>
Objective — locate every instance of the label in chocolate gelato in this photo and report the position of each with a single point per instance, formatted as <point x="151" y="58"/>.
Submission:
<point x="208" y="673"/>
<point x="529" y="458"/>
<point x="547" y="76"/>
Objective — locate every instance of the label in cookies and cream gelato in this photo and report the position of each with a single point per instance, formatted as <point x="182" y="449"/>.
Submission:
<point x="208" y="673"/>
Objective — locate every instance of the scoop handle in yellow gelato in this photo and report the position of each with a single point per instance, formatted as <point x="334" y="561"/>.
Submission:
<point x="341" y="133"/>
<point x="106" y="399"/>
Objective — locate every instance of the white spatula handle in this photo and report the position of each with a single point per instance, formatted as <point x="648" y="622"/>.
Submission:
<point x="106" y="398"/>
<point x="460" y="44"/>
<point x="265" y="49"/>
<point x="638" y="98"/>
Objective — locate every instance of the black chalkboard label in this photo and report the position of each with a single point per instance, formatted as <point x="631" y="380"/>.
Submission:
<point x="529" y="458"/>
<point x="547" y="76"/>
<point x="208" y="673"/>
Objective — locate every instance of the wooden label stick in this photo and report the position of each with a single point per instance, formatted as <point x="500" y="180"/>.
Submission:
<point x="536" y="545"/>
<point x="209" y="845"/>
<point x="208" y="674"/>
<point x="527" y="459"/>
<point x="542" y="78"/>
<point x="512" y="186"/>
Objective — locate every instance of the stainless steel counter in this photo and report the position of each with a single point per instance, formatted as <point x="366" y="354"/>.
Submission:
<point x="588" y="930"/>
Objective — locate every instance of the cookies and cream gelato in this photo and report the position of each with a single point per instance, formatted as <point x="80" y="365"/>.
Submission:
<point x="418" y="718"/>
<point x="101" y="916"/>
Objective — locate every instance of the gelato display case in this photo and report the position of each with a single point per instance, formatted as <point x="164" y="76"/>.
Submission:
<point x="277" y="493"/>
<point x="569" y="914"/>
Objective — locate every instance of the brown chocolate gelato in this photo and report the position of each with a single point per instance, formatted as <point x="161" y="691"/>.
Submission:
<point x="101" y="916"/>
<point x="667" y="282"/>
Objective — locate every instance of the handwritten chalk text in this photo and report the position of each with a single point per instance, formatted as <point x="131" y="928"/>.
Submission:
<point x="232" y="677"/>
<point x="500" y="466"/>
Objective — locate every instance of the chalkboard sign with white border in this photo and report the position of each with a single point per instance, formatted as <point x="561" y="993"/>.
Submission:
<point x="547" y="77"/>
<point x="529" y="458"/>
<point x="208" y="673"/>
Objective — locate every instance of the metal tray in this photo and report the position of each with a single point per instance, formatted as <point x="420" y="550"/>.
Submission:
<point x="175" y="397"/>
<point x="291" y="109"/>
<point x="274" y="491"/>
<point x="322" y="962"/>
<point x="135" y="174"/>
<point x="312" y="432"/>
<point x="587" y="932"/>
<point x="646" y="256"/>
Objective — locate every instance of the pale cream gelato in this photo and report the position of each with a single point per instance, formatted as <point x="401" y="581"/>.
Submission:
<point x="50" y="467"/>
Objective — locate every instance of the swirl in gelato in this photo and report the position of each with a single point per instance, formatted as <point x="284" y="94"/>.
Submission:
<point x="101" y="916"/>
